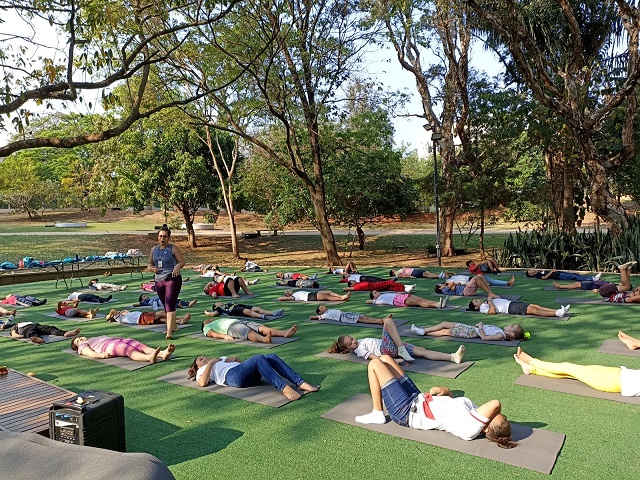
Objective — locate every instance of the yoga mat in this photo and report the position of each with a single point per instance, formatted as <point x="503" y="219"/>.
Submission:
<point x="46" y="338"/>
<point x="591" y="301"/>
<point x="75" y="319"/>
<point x="275" y="341"/>
<point x="317" y="302"/>
<point x="225" y="297"/>
<point x="573" y="387"/>
<point x="513" y="298"/>
<point x="566" y="315"/>
<point x="616" y="347"/>
<point x="405" y="331"/>
<point x="397" y="321"/>
<point x="263" y="394"/>
<point x="159" y="327"/>
<point x="449" y="307"/>
<point x="420" y="365"/>
<point x="537" y="449"/>
<point x="121" y="362"/>
<point x="287" y="287"/>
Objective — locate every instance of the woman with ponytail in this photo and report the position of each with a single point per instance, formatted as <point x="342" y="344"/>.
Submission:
<point x="436" y="410"/>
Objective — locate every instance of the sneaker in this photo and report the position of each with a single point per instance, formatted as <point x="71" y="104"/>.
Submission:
<point x="444" y="301"/>
<point x="459" y="354"/>
<point x="253" y="282"/>
<point x="441" y="274"/>
<point x="418" y="330"/>
<point x="278" y="313"/>
<point x="313" y="277"/>
<point x="409" y="288"/>
<point x="566" y="309"/>
<point x="560" y="312"/>
<point x="597" y="276"/>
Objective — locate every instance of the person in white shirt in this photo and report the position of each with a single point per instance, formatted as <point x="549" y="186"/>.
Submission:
<point x="392" y="345"/>
<point x="323" y="313"/>
<point x="605" y="379"/>
<point x="480" y="330"/>
<point x="436" y="410"/>
<point x="493" y="306"/>
<point x="233" y="372"/>
<point x="395" y="299"/>
<point x="322" y="296"/>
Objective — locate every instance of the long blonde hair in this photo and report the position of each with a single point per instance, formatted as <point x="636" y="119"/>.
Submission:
<point x="340" y="346"/>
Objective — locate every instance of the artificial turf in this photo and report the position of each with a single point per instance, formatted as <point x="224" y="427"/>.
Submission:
<point x="203" y="435"/>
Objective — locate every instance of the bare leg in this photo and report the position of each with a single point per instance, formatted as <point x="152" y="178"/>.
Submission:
<point x="567" y="286"/>
<point x="72" y="333"/>
<point x="261" y="311"/>
<point x="232" y="288"/>
<point x="251" y="313"/>
<point x="150" y="355"/>
<point x="483" y="285"/>
<point x="415" y="301"/>
<point x="171" y="324"/>
<point x="193" y="302"/>
<point x="625" y="278"/>
<point x="392" y="330"/>
<point x="379" y="372"/>
<point x="430" y="275"/>
<point x="534" y="309"/>
<point x="83" y="313"/>
<point x="376" y="321"/>
<point x="256" y="337"/>
<point x="243" y="285"/>
<point x="279" y="333"/>
<point x="629" y="341"/>
<point x="183" y="320"/>
<point x="329" y="296"/>
<point x="437" y="328"/>
<point x="493" y="265"/>
<point x="439" y="356"/>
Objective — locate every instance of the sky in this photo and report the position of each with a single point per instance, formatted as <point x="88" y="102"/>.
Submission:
<point x="383" y="66"/>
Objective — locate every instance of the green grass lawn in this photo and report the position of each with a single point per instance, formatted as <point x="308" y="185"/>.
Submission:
<point x="203" y="435"/>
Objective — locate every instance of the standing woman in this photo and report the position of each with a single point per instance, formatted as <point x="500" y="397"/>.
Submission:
<point x="165" y="262"/>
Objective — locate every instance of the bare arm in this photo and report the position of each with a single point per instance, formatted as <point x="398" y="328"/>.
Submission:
<point x="546" y="277"/>
<point x="369" y="301"/>
<point x="441" y="391"/>
<point x="89" y="352"/>
<point x="203" y="381"/>
<point x="314" y="317"/>
<point x="492" y="307"/>
<point x="348" y="289"/>
<point x="286" y="299"/>
<point x="150" y="265"/>
<point x="221" y="336"/>
<point x="213" y="313"/>
<point x="497" y="336"/>
<point x="180" y="258"/>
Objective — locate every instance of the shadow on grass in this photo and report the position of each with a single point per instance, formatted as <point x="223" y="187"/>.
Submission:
<point x="161" y="438"/>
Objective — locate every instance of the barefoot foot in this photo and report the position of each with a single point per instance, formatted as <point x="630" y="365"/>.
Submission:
<point x="291" y="332"/>
<point x="290" y="393"/>
<point x="37" y="339"/>
<point x="526" y="368"/>
<point x="183" y="320"/>
<point x="166" y="353"/>
<point x="307" y="387"/>
<point x="630" y="342"/>
<point x="512" y="281"/>
<point x="72" y="333"/>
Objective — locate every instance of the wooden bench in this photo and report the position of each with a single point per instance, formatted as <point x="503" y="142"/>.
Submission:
<point x="25" y="402"/>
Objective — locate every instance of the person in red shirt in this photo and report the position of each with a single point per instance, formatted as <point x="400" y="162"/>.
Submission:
<point x="383" y="286"/>
<point x="69" y="308"/>
<point x="488" y="266"/>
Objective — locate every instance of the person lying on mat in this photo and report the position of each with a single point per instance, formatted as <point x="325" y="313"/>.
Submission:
<point x="408" y="272"/>
<point x="107" y="347"/>
<point x="593" y="285"/>
<point x="233" y="372"/>
<point x="469" y="289"/>
<point x="436" y="410"/>
<point x="480" y="330"/>
<point x="488" y="266"/>
<point x="24" y="300"/>
<point x="323" y="313"/>
<point x="391" y="344"/>
<point x="69" y="308"/>
<point x="233" y="329"/>
<point x="404" y="300"/>
<point x="300" y="283"/>
<point x="612" y="291"/>
<point x="95" y="284"/>
<point x="605" y="379"/>
<point x="295" y="276"/>
<point x="226" y="286"/>
<point x="322" y="295"/>
<point x="465" y="279"/>
<point x="89" y="297"/>
<point x="560" y="275"/>
<point x="143" y="318"/>
<point x="358" y="277"/>
<point x="387" y="285"/>
<point x="147" y="301"/>
<point x="493" y="306"/>
<point x="348" y="269"/>
<point x="34" y="331"/>
<point x="240" y="310"/>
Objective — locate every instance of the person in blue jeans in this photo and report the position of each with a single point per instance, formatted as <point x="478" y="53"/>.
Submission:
<point x="560" y="275"/>
<point x="233" y="372"/>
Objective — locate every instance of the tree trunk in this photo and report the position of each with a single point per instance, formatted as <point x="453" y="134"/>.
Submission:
<point x="328" y="240"/>
<point x="568" y="212"/>
<point x="232" y="227"/>
<point x="361" y="237"/>
<point x="481" y="237"/>
<point x="188" y="222"/>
